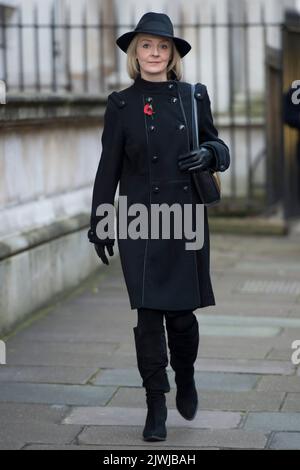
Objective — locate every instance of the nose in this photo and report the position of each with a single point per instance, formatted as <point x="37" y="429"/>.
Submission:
<point x="155" y="51"/>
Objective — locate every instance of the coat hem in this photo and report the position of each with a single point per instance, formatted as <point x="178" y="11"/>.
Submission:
<point x="135" y="306"/>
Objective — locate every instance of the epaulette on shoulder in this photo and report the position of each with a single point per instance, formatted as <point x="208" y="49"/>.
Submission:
<point x="200" y="91"/>
<point x="117" y="99"/>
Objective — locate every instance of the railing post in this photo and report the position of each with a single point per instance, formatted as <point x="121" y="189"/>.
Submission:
<point x="273" y="126"/>
<point x="3" y="42"/>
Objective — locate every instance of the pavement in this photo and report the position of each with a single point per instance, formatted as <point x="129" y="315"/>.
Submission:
<point x="71" y="379"/>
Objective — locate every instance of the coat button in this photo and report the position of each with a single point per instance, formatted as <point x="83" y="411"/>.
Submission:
<point x="148" y="99"/>
<point x="170" y="85"/>
<point x="181" y="127"/>
<point x="154" y="158"/>
<point x="152" y="128"/>
<point x="198" y="95"/>
<point x="174" y="100"/>
<point x="155" y="189"/>
<point x="185" y="188"/>
<point x="222" y="167"/>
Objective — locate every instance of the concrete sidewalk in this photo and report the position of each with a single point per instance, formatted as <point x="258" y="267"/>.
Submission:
<point x="71" y="379"/>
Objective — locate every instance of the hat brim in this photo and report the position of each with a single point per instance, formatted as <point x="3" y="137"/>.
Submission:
<point x="182" y="46"/>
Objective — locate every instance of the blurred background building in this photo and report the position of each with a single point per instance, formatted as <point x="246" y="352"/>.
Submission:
<point x="59" y="61"/>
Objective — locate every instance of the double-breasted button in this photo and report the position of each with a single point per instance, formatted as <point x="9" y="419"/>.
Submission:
<point x="170" y="85"/>
<point x="181" y="127"/>
<point x="185" y="188"/>
<point x="151" y="128"/>
<point x="154" y="158"/>
<point x="155" y="189"/>
<point x="174" y="99"/>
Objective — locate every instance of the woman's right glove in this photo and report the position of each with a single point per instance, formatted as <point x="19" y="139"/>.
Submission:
<point x="100" y="245"/>
<point x="101" y="252"/>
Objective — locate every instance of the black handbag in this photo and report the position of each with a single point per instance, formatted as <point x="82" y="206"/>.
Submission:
<point x="207" y="182"/>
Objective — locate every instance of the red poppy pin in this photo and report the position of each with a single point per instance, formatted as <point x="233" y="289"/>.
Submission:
<point x="148" y="109"/>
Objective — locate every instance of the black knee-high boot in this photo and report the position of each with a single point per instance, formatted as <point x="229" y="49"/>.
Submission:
<point x="183" y="347"/>
<point x="152" y="360"/>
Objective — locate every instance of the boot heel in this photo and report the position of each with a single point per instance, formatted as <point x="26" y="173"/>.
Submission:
<point x="155" y="426"/>
<point x="183" y="351"/>
<point x="152" y="360"/>
<point x="187" y="400"/>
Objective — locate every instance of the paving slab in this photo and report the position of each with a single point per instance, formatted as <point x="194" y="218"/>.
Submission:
<point x="149" y="447"/>
<point x="253" y="309"/>
<point x="292" y="402"/>
<point x="272" y="421"/>
<point x="208" y="400"/>
<point x="281" y="341"/>
<point x="245" y="366"/>
<point x="11" y="445"/>
<point x="203" y="380"/>
<point x="70" y="360"/>
<point x="285" y="441"/>
<point x="279" y="384"/>
<point x="47" y="374"/>
<point x="216" y="352"/>
<point x="38" y="432"/>
<point x="121" y="416"/>
<point x="232" y="320"/>
<point x="132" y="435"/>
<point x="284" y="354"/>
<point x="59" y="353"/>
<point x="15" y="347"/>
<point x="23" y="412"/>
<point x="236" y="330"/>
<point x="55" y="394"/>
<point x="279" y="267"/>
<point x="86" y="333"/>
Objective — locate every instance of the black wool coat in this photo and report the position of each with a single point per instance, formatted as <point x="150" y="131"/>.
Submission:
<point x="140" y="152"/>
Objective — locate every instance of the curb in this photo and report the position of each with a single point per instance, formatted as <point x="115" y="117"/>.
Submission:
<point x="248" y="225"/>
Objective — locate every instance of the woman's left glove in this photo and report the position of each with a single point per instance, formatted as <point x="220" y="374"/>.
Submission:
<point x="199" y="159"/>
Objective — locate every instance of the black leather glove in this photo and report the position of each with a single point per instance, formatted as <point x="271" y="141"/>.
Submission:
<point x="100" y="245"/>
<point x="197" y="160"/>
<point x="101" y="251"/>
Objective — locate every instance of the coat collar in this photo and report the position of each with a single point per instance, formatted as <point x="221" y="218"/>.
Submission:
<point x="150" y="86"/>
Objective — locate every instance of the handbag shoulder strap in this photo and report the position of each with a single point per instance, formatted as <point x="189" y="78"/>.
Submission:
<point x="198" y="92"/>
<point x="195" y="132"/>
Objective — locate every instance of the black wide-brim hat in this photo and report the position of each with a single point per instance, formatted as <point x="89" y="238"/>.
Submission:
<point x="158" y="24"/>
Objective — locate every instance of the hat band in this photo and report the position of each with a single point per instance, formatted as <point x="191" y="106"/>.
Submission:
<point x="154" y="31"/>
<point x="155" y="25"/>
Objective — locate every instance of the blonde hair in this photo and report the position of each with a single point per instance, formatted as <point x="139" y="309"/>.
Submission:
<point x="133" y="68"/>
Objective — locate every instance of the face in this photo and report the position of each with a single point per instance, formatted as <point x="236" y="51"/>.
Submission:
<point x="153" y="54"/>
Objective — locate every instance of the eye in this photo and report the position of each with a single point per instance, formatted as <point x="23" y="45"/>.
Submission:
<point x="145" y="44"/>
<point x="165" y="46"/>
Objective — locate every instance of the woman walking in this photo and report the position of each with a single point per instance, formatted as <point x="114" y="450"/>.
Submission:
<point x="146" y="148"/>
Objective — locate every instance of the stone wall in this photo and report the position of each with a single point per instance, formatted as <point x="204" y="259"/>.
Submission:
<point x="49" y="152"/>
